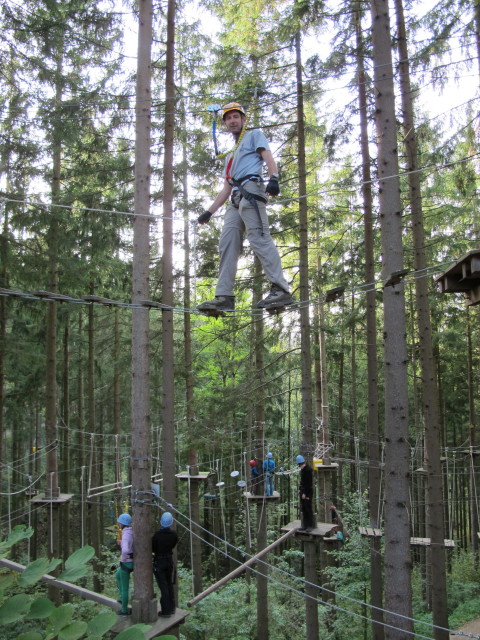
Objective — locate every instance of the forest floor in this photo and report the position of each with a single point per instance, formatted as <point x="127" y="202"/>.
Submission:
<point x="470" y="627"/>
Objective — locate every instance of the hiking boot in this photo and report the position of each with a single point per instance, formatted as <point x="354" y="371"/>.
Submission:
<point x="219" y="303"/>
<point x="276" y="298"/>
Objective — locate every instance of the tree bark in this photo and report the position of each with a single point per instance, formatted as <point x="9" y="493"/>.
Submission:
<point x="398" y="590"/>
<point x="430" y="398"/>
<point x="144" y="607"/>
<point x="373" y="432"/>
<point x="305" y="337"/>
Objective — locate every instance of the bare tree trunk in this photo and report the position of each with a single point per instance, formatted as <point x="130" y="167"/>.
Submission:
<point x="144" y="607"/>
<point x="398" y="590"/>
<point x="430" y="397"/>
<point x="93" y="510"/>
<point x="3" y="332"/>
<point x="52" y="488"/>
<point x="373" y="435"/>
<point x="263" y="630"/>
<point x="195" y="534"/>
<point x="116" y="373"/>
<point x="305" y="338"/>
<point x="66" y="458"/>
<point x="168" y="433"/>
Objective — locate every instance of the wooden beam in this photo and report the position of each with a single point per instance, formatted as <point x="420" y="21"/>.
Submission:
<point x="236" y="572"/>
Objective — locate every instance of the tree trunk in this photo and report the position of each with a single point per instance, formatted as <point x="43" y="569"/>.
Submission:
<point x="430" y="397"/>
<point x="305" y="337"/>
<point x="168" y="434"/>
<point x="398" y="591"/>
<point x="373" y="434"/>
<point x="144" y="607"/>
<point x="93" y="508"/>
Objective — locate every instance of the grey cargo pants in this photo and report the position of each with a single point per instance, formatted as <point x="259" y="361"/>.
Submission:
<point x="238" y="220"/>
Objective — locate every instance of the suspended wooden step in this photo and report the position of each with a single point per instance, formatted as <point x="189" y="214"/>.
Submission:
<point x="369" y="532"/>
<point x="426" y="542"/>
<point x="258" y="497"/>
<point x="325" y="530"/>
<point x="49" y="499"/>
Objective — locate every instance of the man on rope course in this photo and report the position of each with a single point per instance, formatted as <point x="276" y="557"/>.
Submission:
<point x="246" y="212"/>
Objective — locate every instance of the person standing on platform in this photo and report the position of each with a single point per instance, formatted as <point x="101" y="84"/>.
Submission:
<point x="305" y="491"/>
<point x="163" y="544"/>
<point x="268" y="469"/>
<point x="122" y="575"/>
<point x="254" y="473"/>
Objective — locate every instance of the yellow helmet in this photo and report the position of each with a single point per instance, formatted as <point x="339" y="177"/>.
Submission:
<point x="232" y="106"/>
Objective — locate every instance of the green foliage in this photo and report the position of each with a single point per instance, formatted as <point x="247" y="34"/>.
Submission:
<point x="36" y="570"/>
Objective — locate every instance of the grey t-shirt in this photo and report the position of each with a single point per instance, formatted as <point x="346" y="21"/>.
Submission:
<point x="247" y="159"/>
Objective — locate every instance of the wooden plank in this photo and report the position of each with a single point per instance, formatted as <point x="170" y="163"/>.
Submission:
<point x="325" y="467"/>
<point x="261" y="496"/>
<point x="370" y="533"/>
<point x="60" y="499"/>
<point x="202" y="475"/>
<point x="160" y="627"/>
<point x="473" y="296"/>
<point x="321" y="529"/>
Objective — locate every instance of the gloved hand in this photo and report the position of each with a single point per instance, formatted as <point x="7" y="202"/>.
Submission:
<point x="204" y="217"/>
<point x="273" y="187"/>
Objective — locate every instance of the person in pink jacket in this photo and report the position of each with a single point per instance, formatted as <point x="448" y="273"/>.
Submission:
<point x="126" y="561"/>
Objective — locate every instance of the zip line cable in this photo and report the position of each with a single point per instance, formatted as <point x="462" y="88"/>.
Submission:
<point x="323" y="192"/>
<point x="57" y="297"/>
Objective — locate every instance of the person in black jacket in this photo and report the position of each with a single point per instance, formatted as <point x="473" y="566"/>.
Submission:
<point x="305" y="491"/>
<point x="163" y="543"/>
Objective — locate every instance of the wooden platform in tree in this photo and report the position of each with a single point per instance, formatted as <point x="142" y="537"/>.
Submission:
<point x="325" y="467"/>
<point x="184" y="475"/>
<point x="369" y="532"/>
<point x="159" y="627"/>
<point x="463" y="277"/>
<point x="259" y="497"/>
<point x="60" y="499"/>
<point x="321" y="530"/>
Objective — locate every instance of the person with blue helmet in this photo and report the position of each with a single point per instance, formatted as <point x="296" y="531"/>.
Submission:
<point x="305" y="492"/>
<point x="122" y="574"/>
<point x="163" y="544"/>
<point x="268" y="469"/>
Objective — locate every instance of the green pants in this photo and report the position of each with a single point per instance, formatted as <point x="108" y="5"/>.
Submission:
<point x="123" y="580"/>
